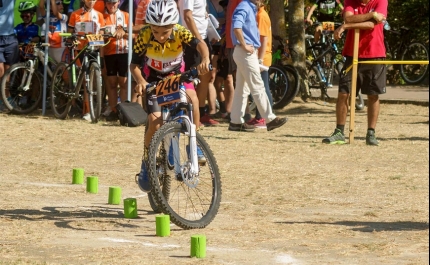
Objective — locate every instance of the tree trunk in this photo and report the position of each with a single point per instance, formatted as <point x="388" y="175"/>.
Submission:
<point x="296" y="40"/>
<point x="277" y="17"/>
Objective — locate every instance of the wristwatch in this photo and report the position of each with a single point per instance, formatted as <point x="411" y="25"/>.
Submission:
<point x="260" y="61"/>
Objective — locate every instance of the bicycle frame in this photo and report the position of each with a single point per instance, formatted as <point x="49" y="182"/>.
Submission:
<point x="171" y="113"/>
<point x="39" y="56"/>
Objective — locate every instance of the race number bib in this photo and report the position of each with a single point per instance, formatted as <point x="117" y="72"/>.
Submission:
<point x="329" y="26"/>
<point x="167" y="90"/>
<point x="95" y="40"/>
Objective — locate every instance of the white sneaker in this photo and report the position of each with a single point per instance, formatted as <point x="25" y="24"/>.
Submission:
<point x="86" y="117"/>
<point x="107" y="111"/>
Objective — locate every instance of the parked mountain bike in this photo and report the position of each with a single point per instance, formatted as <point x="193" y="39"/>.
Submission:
<point x="70" y="80"/>
<point x="188" y="191"/>
<point x="325" y="61"/>
<point x="21" y="85"/>
<point x="406" y="49"/>
<point x="283" y="78"/>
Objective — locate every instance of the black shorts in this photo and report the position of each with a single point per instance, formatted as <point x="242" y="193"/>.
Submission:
<point x="223" y="66"/>
<point x="9" y="50"/>
<point x="231" y="63"/>
<point x="371" y="78"/>
<point x="192" y="57"/>
<point x="116" y="64"/>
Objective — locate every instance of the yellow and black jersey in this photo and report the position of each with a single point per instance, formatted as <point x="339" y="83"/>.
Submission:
<point x="162" y="58"/>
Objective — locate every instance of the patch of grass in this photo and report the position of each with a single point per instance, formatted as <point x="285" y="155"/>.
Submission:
<point x="396" y="177"/>
<point x="371" y="214"/>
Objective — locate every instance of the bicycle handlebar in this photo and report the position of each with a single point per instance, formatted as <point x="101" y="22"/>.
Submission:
<point x="76" y="35"/>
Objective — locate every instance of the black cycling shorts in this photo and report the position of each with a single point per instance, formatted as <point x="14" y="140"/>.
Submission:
<point x="371" y="78"/>
<point x="116" y="64"/>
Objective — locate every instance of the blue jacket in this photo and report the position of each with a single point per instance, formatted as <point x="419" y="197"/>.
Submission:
<point x="244" y="17"/>
<point x="25" y="34"/>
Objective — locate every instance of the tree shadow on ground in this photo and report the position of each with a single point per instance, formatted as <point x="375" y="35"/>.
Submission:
<point x="304" y="109"/>
<point x="68" y="217"/>
<point x="372" y="226"/>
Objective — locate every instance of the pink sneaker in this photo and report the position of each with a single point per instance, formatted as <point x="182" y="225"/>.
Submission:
<point x="258" y="123"/>
<point x="207" y="121"/>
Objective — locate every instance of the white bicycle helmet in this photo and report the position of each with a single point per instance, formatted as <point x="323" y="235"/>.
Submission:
<point x="162" y="13"/>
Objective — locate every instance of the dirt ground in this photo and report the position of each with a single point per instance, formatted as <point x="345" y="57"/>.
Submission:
<point x="286" y="198"/>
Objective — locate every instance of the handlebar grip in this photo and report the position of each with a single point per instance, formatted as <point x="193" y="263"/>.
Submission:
<point x="65" y="34"/>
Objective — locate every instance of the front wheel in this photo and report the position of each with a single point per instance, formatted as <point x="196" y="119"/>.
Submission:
<point x="62" y="91"/>
<point x="95" y="92"/>
<point x="21" y="91"/>
<point x="193" y="200"/>
<point x="414" y="73"/>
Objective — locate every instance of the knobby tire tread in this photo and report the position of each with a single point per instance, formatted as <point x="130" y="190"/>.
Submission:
<point x="157" y="139"/>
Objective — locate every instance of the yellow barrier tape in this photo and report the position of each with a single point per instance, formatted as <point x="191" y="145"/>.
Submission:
<point x="384" y="62"/>
<point x="394" y="62"/>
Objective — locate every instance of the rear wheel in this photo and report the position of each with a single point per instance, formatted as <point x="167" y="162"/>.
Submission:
<point x="278" y="84"/>
<point x="193" y="200"/>
<point x="17" y="96"/>
<point x="95" y="92"/>
<point x="414" y="73"/>
<point x="62" y="91"/>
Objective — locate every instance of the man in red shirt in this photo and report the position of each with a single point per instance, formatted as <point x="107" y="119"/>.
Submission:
<point x="368" y="16"/>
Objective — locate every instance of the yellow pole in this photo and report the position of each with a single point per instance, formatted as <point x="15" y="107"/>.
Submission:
<point x="353" y="86"/>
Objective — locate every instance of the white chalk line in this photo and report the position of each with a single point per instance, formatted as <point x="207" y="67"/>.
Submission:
<point x="279" y="258"/>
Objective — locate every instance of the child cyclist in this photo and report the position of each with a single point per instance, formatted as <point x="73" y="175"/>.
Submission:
<point x="159" y="49"/>
<point x="27" y="31"/>
<point x="87" y="20"/>
<point x="56" y="25"/>
<point x="116" y="56"/>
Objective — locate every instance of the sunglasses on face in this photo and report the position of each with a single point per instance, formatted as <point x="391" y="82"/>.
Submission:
<point x="25" y="15"/>
<point x="59" y="3"/>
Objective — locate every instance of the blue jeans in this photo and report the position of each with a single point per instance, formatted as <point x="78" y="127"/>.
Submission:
<point x="265" y="77"/>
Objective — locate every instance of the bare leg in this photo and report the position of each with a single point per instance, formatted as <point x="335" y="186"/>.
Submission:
<point x="341" y="108"/>
<point x="372" y="110"/>
<point x="122" y="81"/>
<point x="154" y="123"/>
<point x="228" y="92"/>
<point x="195" y="101"/>
<point x="112" y="91"/>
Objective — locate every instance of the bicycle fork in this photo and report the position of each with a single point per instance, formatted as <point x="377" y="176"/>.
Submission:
<point x="26" y="79"/>
<point x="172" y="145"/>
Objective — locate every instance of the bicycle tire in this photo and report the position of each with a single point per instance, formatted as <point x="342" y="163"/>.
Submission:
<point x="293" y="83"/>
<point x="61" y="91"/>
<point x="21" y="101"/>
<point x="183" y="205"/>
<point x="95" y="92"/>
<point x="166" y="184"/>
<point x="278" y="84"/>
<point x="414" y="73"/>
<point x="314" y="76"/>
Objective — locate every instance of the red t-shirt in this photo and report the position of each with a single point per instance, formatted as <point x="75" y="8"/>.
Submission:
<point x="371" y="44"/>
<point x="232" y="4"/>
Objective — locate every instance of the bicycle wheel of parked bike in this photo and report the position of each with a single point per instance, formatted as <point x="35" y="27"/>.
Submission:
<point x="414" y="73"/>
<point x="193" y="201"/>
<point x="20" y="95"/>
<point x="95" y="92"/>
<point x="61" y="91"/>
<point x="293" y="83"/>
<point x="278" y="84"/>
<point x="314" y="76"/>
